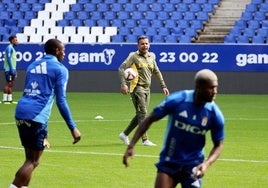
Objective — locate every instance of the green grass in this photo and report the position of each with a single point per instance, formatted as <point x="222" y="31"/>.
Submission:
<point x="96" y="161"/>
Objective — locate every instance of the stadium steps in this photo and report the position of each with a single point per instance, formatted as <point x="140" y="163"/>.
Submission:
<point x="220" y="23"/>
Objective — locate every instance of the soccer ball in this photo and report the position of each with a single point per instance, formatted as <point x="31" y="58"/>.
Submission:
<point x="129" y="74"/>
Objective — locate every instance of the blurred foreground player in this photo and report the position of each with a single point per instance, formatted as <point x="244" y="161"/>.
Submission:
<point x="191" y="114"/>
<point x="45" y="79"/>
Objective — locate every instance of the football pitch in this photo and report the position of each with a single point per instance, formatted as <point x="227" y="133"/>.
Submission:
<point x="96" y="161"/>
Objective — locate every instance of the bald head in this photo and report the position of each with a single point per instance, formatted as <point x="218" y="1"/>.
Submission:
<point x="205" y="76"/>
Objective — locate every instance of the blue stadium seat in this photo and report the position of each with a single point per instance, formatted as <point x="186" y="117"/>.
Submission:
<point x="170" y="23"/>
<point x="150" y="31"/>
<point x="229" y="39"/>
<point x="124" y="31"/>
<point x="246" y="16"/>
<point x="196" y="25"/>
<point x="176" y="15"/>
<point x="150" y="15"/>
<point x="263" y="7"/>
<point x="163" y="31"/>
<point x="188" y="1"/>
<point x="23" y="22"/>
<point x="249" y="32"/>
<point x="262" y="32"/>
<point x="95" y="15"/>
<point x="176" y="31"/>
<point x="24" y="7"/>
<point x="143" y="23"/>
<point x="243" y="39"/>
<point x="118" y="38"/>
<point x="76" y="22"/>
<point x="185" y="39"/>
<point x="129" y="7"/>
<point x="77" y="7"/>
<point x="131" y="38"/>
<point x="194" y="7"/>
<point x="169" y="7"/>
<point x="102" y="22"/>
<point x="37" y="6"/>
<point x="190" y="32"/>
<point x="157" y="39"/>
<point x="69" y="15"/>
<point x="156" y="23"/>
<point x="90" y="22"/>
<point x="102" y="7"/>
<point x="116" y="7"/>
<point x="236" y="31"/>
<point x="260" y="15"/>
<point x="240" y="24"/>
<point x="202" y="16"/>
<point x="171" y="39"/>
<point x="109" y="15"/>
<point x="253" y="24"/>
<point x="156" y="7"/>
<point x="184" y="24"/>
<point x="137" y="31"/>
<point x="136" y="15"/>
<point x="117" y="23"/>
<point x="130" y="23"/>
<point x="182" y="7"/>
<point x="5" y="15"/>
<point x="89" y="7"/>
<point x="123" y="15"/>
<point x="83" y="15"/>
<point x="10" y="22"/>
<point x="251" y="8"/>
<point x="12" y="7"/>
<point x="207" y="7"/>
<point x="17" y="15"/>
<point x="189" y="16"/>
<point x="258" y="39"/>
<point x="64" y="22"/>
<point x="142" y="7"/>
<point x="201" y="1"/>
<point x="162" y="15"/>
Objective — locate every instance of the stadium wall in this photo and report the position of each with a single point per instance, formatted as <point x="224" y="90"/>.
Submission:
<point x="242" y="69"/>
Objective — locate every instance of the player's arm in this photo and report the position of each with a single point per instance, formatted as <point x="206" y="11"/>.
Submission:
<point x="60" y="92"/>
<point x="126" y="64"/>
<point x="213" y="156"/>
<point x="142" y="128"/>
<point x="9" y="58"/>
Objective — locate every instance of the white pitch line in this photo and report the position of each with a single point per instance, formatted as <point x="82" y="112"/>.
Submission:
<point x="117" y="154"/>
<point x="123" y="120"/>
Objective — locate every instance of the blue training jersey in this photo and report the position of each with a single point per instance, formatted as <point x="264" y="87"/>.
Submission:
<point x="186" y="127"/>
<point x="45" y="79"/>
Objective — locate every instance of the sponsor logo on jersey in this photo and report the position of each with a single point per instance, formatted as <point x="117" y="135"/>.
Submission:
<point x="189" y="128"/>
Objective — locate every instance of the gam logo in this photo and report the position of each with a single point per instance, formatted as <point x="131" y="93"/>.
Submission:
<point x="106" y="57"/>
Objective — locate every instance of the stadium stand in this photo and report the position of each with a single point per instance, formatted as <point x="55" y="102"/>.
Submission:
<point x="164" y="21"/>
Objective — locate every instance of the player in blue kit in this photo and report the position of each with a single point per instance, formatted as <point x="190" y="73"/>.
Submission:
<point x="191" y="114"/>
<point x="45" y="79"/>
<point x="10" y="63"/>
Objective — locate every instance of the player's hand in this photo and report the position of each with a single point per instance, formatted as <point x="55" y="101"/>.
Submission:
<point x="46" y="143"/>
<point x="124" y="89"/>
<point x="166" y="91"/>
<point x="76" y="135"/>
<point x="199" y="171"/>
<point x="13" y="71"/>
<point x="129" y="153"/>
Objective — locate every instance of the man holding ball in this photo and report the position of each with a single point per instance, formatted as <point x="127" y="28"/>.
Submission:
<point x="191" y="114"/>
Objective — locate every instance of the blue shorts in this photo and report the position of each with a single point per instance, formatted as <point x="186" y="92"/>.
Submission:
<point x="32" y="134"/>
<point x="180" y="174"/>
<point x="9" y="77"/>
